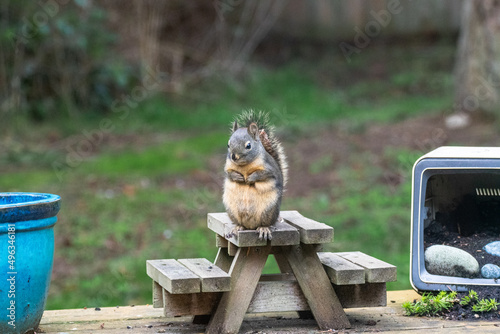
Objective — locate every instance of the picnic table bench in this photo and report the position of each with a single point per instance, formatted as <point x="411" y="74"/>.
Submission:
<point x="309" y="282"/>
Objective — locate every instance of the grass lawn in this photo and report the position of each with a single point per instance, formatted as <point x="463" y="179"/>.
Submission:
<point x="139" y="187"/>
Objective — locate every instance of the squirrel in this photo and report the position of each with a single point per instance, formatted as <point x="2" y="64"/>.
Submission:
<point x="256" y="174"/>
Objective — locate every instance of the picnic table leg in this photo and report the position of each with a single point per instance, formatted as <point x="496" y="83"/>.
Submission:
<point x="281" y="261"/>
<point x="316" y="286"/>
<point x="245" y="272"/>
<point x="223" y="261"/>
<point x="285" y="268"/>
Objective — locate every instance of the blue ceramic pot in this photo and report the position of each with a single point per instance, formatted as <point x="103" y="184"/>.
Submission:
<point x="26" y="256"/>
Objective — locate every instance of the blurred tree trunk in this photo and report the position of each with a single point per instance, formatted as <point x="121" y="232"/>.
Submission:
<point x="151" y="14"/>
<point x="477" y="68"/>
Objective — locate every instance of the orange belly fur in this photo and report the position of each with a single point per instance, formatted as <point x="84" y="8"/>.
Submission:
<point x="248" y="203"/>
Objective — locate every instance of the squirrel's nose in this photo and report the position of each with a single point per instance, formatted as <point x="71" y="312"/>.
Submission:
<point x="234" y="157"/>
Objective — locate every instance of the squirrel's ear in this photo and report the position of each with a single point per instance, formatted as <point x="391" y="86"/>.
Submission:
<point x="253" y="131"/>
<point x="235" y="126"/>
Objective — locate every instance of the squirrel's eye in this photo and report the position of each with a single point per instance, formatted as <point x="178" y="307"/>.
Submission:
<point x="248" y="145"/>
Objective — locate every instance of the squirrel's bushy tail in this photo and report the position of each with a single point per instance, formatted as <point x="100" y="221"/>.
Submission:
<point x="268" y="138"/>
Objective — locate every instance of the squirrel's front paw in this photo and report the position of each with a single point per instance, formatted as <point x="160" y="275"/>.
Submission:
<point x="252" y="178"/>
<point x="236" y="177"/>
<point x="264" y="233"/>
<point x="234" y="231"/>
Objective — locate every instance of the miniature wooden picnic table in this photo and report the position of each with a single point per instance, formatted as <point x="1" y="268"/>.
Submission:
<point x="222" y="292"/>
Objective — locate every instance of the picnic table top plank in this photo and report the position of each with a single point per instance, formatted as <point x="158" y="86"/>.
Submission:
<point x="283" y="234"/>
<point x="221" y="224"/>
<point x="173" y="276"/>
<point x="311" y="231"/>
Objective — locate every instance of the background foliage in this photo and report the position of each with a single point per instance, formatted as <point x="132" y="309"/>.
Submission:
<point x="57" y="59"/>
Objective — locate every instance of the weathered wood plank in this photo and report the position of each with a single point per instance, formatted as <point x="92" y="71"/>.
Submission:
<point x="283" y="234"/>
<point x="220" y="242"/>
<point x="223" y="260"/>
<point x="316" y="287"/>
<point x="350" y="296"/>
<point x="276" y="293"/>
<point x="362" y="295"/>
<point x="157" y="295"/>
<point x="311" y="232"/>
<point x="376" y="271"/>
<point x="245" y="272"/>
<point x="223" y="226"/>
<point x="282" y="293"/>
<point x="177" y="305"/>
<point x="146" y="320"/>
<point x="173" y="276"/>
<point x="232" y="249"/>
<point x="213" y="278"/>
<point x="277" y="277"/>
<point x="281" y="260"/>
<point x="284" y="296"/>
<point x="340" y="270"/>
